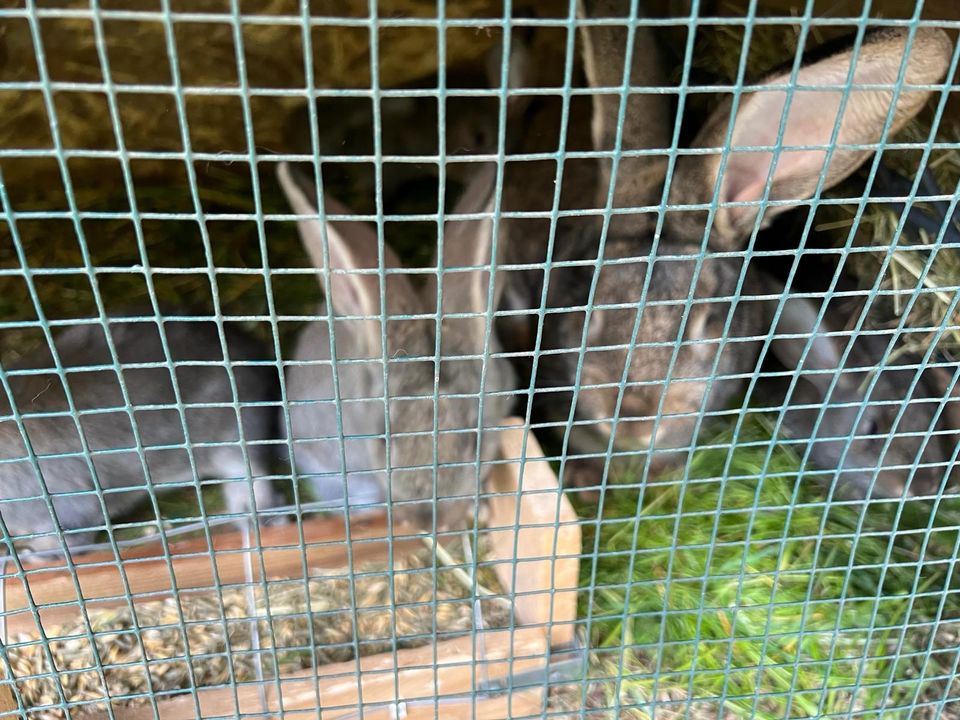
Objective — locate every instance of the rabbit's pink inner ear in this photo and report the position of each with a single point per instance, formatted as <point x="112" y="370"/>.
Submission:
<point x="353" y="292"/>
<point x="810" y="125"/>
<point x="814" y="114"/>
<point x="811" y="121"/>
<point x="353" y="295"/>
<point x="469" y="243"/>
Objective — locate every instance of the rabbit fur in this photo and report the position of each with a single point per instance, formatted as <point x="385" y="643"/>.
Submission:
<point x="692" y="348"/>
<point x="106" y="428"/>
<point x="863" y="415"/>
<point x="433" y="476"/>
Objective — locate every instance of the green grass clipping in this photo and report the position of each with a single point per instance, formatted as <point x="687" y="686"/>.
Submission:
<point x="734" y="586"/>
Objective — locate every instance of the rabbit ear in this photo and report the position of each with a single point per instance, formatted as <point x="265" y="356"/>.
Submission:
<point x="351" y="246"/>
<point x="467" y="246"/>
<point x="813" y="114"/>
<point x="799" y="320"/>
<point x="520" y="72"/>
<point x="646" y="120"/>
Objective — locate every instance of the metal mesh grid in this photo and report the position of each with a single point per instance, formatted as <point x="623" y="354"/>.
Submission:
<point x="730" y="583"/>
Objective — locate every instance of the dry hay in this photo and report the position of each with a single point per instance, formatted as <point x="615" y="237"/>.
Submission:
<point x="219" y="635"/>
<point x="206" y="57"/>
<point x="149" y="122"/>
<point x="182" y="252"/>
<point x="942" y="667"/>
<point x="915" y="264"/>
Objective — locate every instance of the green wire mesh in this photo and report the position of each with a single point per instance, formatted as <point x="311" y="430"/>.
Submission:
<point x="139" y="150"/>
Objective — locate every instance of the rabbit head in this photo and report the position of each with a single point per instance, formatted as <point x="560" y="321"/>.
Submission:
<point x="859" y="418"/>
<point x="433" y="409"/>
<point x="670" y="364"/>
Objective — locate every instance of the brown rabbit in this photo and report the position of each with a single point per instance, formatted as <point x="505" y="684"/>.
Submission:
<point x="667" y="360"/>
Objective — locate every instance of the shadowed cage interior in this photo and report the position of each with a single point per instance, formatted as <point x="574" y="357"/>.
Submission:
<point x="257" y="256"/>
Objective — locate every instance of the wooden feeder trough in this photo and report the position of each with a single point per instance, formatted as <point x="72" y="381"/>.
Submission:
<point x="534" y="546"/>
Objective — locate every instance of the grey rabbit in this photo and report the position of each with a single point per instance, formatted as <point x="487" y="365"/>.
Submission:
<point x="858" y="436"/>
<point x="352" y="287"/>
<point x="213" y="432"/>
<point x="674" y="374"/>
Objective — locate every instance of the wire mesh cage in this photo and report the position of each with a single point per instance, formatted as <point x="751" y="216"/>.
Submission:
<point x="578" y="358"/>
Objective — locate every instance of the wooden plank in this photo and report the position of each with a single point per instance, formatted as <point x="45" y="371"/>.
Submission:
<point x="536" y="548"/>
<point x="8" y="703"/>
<point x="148" y="571"/>
<point x="460" y="665"/>
<point x="520" y="703"/>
